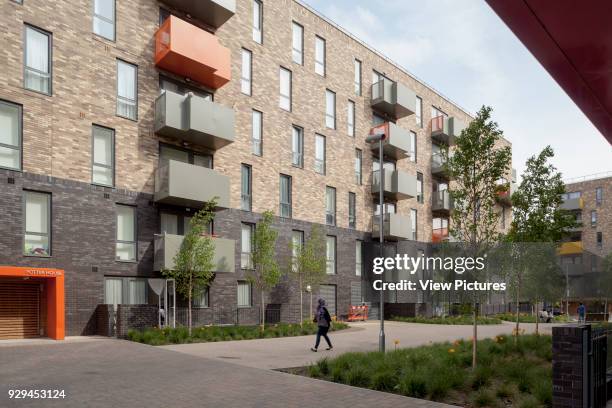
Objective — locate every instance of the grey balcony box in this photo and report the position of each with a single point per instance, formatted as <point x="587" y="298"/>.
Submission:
<point x="446" y="130"/>
<point x="211" y="12"/>
<point x="572" y="204"/>
<point x="166" y="246"/>
<point x="399" y="185"/>
<point x="438" y="166"/>
<point x="397" y="143"/>
<point x="441" y="201"/>
<point x="396" y="227"/>
<point x="393" y="99"/>
<point x="573" y="269"/>
<point x="188" y="185"/>
<point x="194" y="119"/>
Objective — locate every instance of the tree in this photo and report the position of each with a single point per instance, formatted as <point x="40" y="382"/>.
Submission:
<point x="537" y="218"/>
<point x="308" y="263"/>
<point x="605" y="282"/>
<point x="476" y="166"/>
<point x="265" y="273"/>
<point x="193" y="264"/>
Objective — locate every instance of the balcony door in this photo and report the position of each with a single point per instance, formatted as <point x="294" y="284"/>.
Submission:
<point x="166" y="84"/>
<point x="177" y="224"/>
<point x="167" y="153"/>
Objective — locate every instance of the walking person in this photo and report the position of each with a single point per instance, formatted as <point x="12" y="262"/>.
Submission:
<point x="323" y="321"/>
<point x="581" y="313"/>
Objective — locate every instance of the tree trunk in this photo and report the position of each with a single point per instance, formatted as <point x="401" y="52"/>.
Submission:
<point x="301" y="303"/>
<point x="189" y="305"/>
<point x="475" y="335"/>
<point x="518" y="296"/>
<point x="537" y="308"/>
<point x="263" y="312"/>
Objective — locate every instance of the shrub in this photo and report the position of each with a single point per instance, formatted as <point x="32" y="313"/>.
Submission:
<point x="542" y="390"/>
<point x="385" y="380"/>
<point x="504" y="391"/>
<point x="451" y="320"/>
<point x="481" y="376"/>
<point x="323" y="365"/>
<point x="413" y="385"/>
<point x="314" y="371"/>
<point x="358" y="377"/>
<point x="484" y="398"/>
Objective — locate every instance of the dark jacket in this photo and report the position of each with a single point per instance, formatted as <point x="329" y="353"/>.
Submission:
<point x="326" y="321"/>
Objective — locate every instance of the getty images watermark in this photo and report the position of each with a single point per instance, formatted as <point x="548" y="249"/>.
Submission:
<point x="412" y="265"/>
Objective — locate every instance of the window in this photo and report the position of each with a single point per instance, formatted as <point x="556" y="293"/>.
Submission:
<point x="10" y="135"/>
<point x="201" y="300"/>
<point x="330" y="205"/>
<point x="246" y="242"/>
<point x="419" y="186"/>
<point x="298" y="44"/>
<point x="104" y="19"/>
<point x="102" y="163"/>
<point x="163" y="15"/>
<point x="358" y="164"/>
<point x="258" y="21"/>
<point x="593" y="218"/>
<point x="571" y="195"/>
<point x="244" y="294"/>
<point x="126" y="233"/>
<point x="168" y="152"/>
<point x="598" y="196"/>
<point x="285" y="196"/>
<point x="297" y="242"/>
<point x="37" y="72"/>
<point x="134" y="290"/>
<point x="285" y="89"/>
<point x="435" y="112"/>
<point x="245" y="187"/>
<point x="137" y="291"/>
<point x="246" y="72"/>
<point x="357" y="79"/>
<point x="127" y="104"/>
<point x="413" y="223"/>
<point x="297" y="146"/>
<point x="167" y="84"/>
<point x="331" y="254"/>
<point x="320" y="56"/>
<point x="37" y="224"/>
<point x="178" y="224"/>
<point x="320" y="154"/>
<point x="358" y="259"/>
<point x="419" y="112"/>
<point x="388" y="208"/>
<point x="257" y="132"/>
<point x="600" y="240"/>
<point x="413" y="146"/>
<point x="351" y="118"/>
<point x="377" y="120"/>
<point x="352" y="221"/>
<point x="330" y="109"/>
<point x="377" y="76"/>
<point x="113" y="293"/>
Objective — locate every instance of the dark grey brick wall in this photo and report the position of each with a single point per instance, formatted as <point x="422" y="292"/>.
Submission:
<point x="569" y="366"/>
<point x="137" y="317"/>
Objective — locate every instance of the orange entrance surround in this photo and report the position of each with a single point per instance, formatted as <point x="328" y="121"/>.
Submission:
<point x="54" y="290"/>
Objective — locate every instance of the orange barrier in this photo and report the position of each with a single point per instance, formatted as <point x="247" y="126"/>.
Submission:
<point x="358" y="313"/>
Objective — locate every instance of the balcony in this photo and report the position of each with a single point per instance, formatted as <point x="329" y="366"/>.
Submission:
<point x="441" y="202"/>
<point x="397" y="142"/>
<point x="438" y="165"/>
<point x="393" y="99"/>
<point x="166" y="246"/>
<point x="188" y="185"/>
<point x="190" y="52"/>
<point x="194" y="119"/>
<point x="211" y="12"/>
<point x="395" y="227"/>
<point x="572" y="269"/>
<point x="570" y="248"/>
<point x="572" y="204"/>
<point x="439" y="235"/>
<point x="503" y="193"/>
<point x="445" y="130"/>
<point x="398" y="185"/>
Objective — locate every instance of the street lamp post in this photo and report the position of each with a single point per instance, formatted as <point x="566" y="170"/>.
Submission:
<point x="379" y="136"/>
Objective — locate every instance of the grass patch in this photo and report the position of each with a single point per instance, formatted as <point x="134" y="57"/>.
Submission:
<point x="464" y="319"/>
<point x="529" y="318"/>
<point x="508" y="374"/>
<point x="180" y="335"/>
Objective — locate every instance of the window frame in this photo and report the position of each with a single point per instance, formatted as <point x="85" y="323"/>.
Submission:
<point x="256" y="113"/>
<point x="49" y="223"/>
<point x="249" y="168"/>
<point x="191" y="154"/>
<point x="280" y="87"/>
<point x="598" y="196"/>
<point x="49" y="58"/>
<point x="413" y="223"/>
<point x="357" y="77"/>
<point x="248" y="284"/>
<point x="294" y="256"/>
<point x="94" y="164"/>
<point x="243" y="80"/>
<point x="352" y="210"/>
<point x="249" y="262"/>
<point x="114" y="22"/>
<point x="413" y="146"/>
<point x="330" y="214"/>
<point x="359" y="159"/>
<point x="419" y="111"/>
<point x="329" y="92"/>
<point x="593" y="218"/>
<point x="287" y="205"/>
<point x="359" y="260"/>
<point x="350" y="112"/>
<point x="599" y="239"/>
<point x="420" y="183"/>
<point x="260" y="17"/>
<point x="294" y="25"/>
<point x="300" y="153"/>
<point x="331" y="261"/>
<point x="322" y="162"/>
<point x="19" y="146"/>
<point x="117" y="97"/>
<point x="206" y="293"/>
<point x="323" y="64"/>
<point x="135" y="242"/>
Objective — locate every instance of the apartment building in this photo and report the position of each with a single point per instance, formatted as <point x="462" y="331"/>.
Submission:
<point x="583" y="249"/>
<point x="119" y="119"/>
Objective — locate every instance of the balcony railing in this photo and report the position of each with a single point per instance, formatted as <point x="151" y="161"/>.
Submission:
<point x="571" y="248"/>
<point x="446" y="129"/>
<point x="399" y="185"/>
<point x="397" y="144"/>
<point x="395" y="227"/>
<point x="191" y="52"/>
<point x="438" y="165"/>
<point x="572" y="204"/>
<point x="211" y="12"/>
<point x="166" y="246"/>
<point x="439" y="235"/>
<point x="441" y="201"/>
<point x="393" y="99"/>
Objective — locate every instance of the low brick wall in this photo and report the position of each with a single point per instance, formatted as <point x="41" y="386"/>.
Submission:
<point x="570" y="366"/>
<point x="105" y="320"/>
<point x="137" y="317"/>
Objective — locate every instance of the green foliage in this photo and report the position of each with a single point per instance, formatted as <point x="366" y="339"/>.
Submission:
<point x="460" y="320"/>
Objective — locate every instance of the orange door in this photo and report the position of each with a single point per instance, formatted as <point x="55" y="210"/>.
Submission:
<point x="19" y="310"/>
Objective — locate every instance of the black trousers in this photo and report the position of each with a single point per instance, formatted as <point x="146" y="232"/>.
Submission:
<point x="322" y="332"/>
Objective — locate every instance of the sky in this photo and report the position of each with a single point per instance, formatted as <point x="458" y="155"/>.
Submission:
<point x="465" y="52"/>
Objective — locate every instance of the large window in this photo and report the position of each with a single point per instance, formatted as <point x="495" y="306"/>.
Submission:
<point x="593" y="218"/>
<point x="126" y="233"/>
<point x="330" y="205"/>
<point x="350" y="118"/>
<point x="285" y="196"/>
<point x="352" y="221"/>
<point x="419" y="186"/>
<point x="297" y="51"/>
<point x="37" y="239"/>
<point x="246" y="72"/>
<point x="297" y="243"/>
<point x="257" y="133"/>
<point x="331" y="255"/>
<point x="244" y="294"/>
<point x="37" y="60"/>
<point x="598" y="196"/>
<point x="600" y="240"/>
<point x="297" y="146"/>
<point x="358" y="258"/>
<point x="357" y="79"/>
<point x="201" y="300"/>
<point x="131" y="291"/>
<point x="285" y="89"/>
<point x="320" y="154"/>
<point x="330" y="109"/>
<point x="258" y="21"/>
<point x="358" y="164"/>
<point x="10" y="135"/>
<point x="102" y="162"/>
<point x="127" y="90"/>
<point x="320" y="55"/>
<point x="413" y="146"/>
<point x="418" y="114"/>
<point x="246" y="246"/>
<point x="413" y="223"/>
<point x="245" y="187"/>
<point x="104" y="19"/>
<point x="113" y="291"/>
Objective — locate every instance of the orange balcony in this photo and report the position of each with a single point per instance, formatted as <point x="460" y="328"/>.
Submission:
<point x="439" y="235"/>
<point x="191" y="52"/>
<point x="570" y="248"/>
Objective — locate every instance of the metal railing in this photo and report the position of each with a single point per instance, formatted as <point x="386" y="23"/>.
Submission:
<point x="588" y="177"/>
